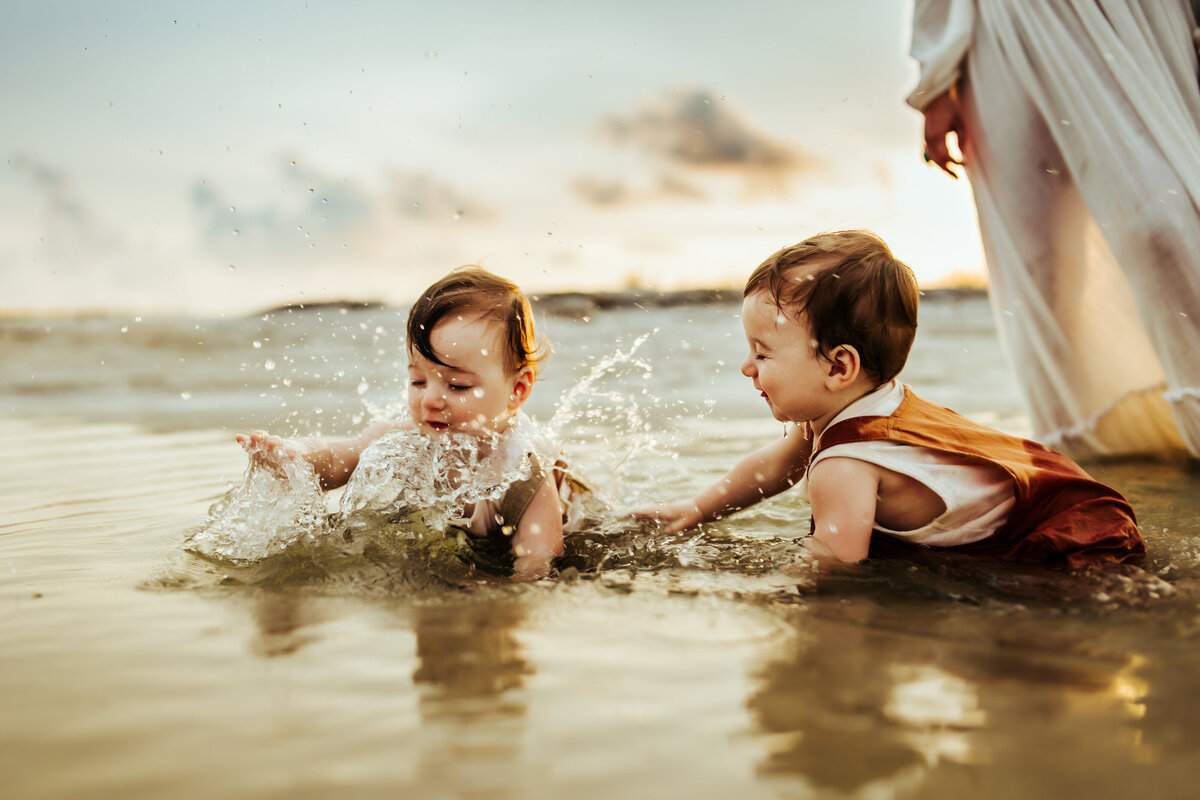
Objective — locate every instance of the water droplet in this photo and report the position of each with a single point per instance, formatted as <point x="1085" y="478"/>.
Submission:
<point x="478" y="393"/>
<point x="269" y="365"/>
<point x="186" y="395"/>
<point x="257" y="344"/>
<point x="363" y="386"/>
<point x="236" y="232"/>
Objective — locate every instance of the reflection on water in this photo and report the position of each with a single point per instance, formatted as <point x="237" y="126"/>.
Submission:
<point x="925" y="699"/>
<point x="283" y="622"/>
<point x="471" y="670"/>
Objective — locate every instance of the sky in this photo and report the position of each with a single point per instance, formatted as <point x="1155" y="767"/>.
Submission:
<point x="220" y="157"/>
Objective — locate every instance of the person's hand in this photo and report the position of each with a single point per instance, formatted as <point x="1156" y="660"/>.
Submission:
<point x="675" y="517"/>
<point x="943" y="117"/>
<point x="271" y="452"/>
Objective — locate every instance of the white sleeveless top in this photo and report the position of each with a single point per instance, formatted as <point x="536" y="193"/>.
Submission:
<point x="978" y="497"/>
<point x="521" y="438"/>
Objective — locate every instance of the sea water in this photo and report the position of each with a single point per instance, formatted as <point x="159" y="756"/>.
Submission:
<point x="275" y="659"/>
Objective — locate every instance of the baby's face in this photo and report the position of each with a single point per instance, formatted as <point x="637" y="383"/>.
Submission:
<point x="473" y="392"/>
<point x="783" y="362"/>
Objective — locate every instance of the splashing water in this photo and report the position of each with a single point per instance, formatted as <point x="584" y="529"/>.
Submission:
<point x="266" y="514"/>
<point x="409" y="486"/>
<point x="434" y="476"/>
<point x="604" y="417"/>
<point x="403" y="477"/>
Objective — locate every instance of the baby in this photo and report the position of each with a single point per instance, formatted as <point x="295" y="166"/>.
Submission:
<point x="830" y="322"/>
<point x="472" y="362"/>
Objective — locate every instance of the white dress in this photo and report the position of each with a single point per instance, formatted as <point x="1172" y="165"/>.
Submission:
<point x="1083" y="152"/>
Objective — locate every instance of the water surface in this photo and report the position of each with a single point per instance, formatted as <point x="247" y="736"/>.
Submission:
<point x="692" y="665"/>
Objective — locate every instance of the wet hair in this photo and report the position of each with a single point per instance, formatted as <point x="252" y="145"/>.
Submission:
<point x="852" y="291"/>
<point x="473" y="290"/>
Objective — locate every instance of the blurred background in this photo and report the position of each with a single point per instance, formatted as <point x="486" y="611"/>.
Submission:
<point x="218" y="158"/>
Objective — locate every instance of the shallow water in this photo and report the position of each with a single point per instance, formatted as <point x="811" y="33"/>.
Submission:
<point x="692" y="665"/>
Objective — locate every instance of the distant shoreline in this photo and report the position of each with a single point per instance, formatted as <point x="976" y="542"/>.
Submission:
<point x="580" y="303"/>
<point x="559" y="304"/>
<point x="576" y="303"/>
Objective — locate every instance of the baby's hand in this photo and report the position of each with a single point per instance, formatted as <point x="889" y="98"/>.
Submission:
<point x="269" y="451"/>
<point x="676" y="516"/>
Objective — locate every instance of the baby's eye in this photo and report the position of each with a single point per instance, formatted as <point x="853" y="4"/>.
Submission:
<point x="416" y="384"/>
<point x="457" y="387"/>
<point x="759" y="357"/>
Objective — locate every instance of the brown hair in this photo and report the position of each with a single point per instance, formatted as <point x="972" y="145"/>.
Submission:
<point x="853" y="292"/>
<point x="474" y="290"/>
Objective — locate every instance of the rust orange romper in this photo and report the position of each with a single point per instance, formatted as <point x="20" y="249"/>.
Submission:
<point x="1061" y="515"/>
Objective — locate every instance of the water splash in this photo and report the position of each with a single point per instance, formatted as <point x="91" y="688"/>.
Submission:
<point x="406" y="473"/>
<point x="407" y="484"/>
<point x="408" y="487"/>
<point x="588" y="399"/>
<point x="606" y="423"/>
<point x="266" y="514"/>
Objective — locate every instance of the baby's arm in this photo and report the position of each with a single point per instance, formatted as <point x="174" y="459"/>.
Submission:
<point x="333" y="460"/>
<point x="539" y="536"/>
<point x="843" y="494"/>
<point x="764" y="473"/>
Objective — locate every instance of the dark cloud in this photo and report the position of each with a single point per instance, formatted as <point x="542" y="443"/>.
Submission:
<point x="695" y="130"/>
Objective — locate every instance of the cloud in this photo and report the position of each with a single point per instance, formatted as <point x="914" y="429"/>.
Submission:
<point x="421" y="197"/>
<point x="55" y="219"/>
<point x="310" y="208"/>
<point x="614" y="192"/>
<point x="602" y="191"/>
<point x="694" y="130"/>
<point x="306" y="202"/>
<point x="65" y="212"/>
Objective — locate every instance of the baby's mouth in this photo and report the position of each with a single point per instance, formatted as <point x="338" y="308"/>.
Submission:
<point x="437" y="426"/>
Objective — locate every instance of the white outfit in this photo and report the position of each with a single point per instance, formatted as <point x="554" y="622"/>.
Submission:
<point x="978" y="497"/>
<point x="509" y="458"/>
<point x="482" y="520"/>
<point x="1083" y="151"/>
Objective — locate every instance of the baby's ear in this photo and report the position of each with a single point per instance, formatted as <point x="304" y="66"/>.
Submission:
<point x="521" y="388"/>
<point x="844" y="367"/>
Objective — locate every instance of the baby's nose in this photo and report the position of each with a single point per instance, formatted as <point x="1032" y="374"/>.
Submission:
<point x="748" y="367"/>
<point x="433" y="399"/>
